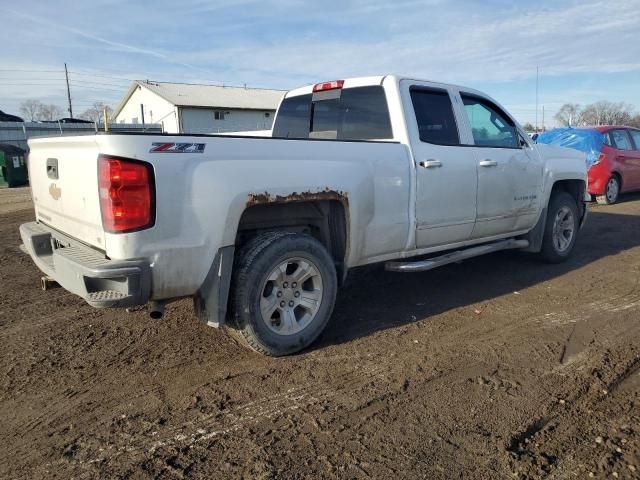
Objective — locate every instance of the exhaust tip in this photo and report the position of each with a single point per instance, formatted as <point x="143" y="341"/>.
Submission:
<point x="156" y="310"/>
<point x="47" y="283"/>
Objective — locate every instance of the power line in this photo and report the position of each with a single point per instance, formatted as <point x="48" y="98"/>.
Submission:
<point x="56" y="80"/>
<point x="84" y="82"/>
<point x="30" y="71"/>
<point x="92" y="87"/>
<point x="115" y="77"/>
<point x="27" y="84"/>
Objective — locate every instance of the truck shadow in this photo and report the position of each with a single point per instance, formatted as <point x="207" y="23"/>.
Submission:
<point x="375" y="299"/>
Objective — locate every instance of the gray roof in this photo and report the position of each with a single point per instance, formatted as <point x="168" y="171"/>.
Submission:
<point x="211" y="96"/>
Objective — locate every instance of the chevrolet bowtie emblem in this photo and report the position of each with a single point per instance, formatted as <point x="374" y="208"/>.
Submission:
<point x="55" y="191"/>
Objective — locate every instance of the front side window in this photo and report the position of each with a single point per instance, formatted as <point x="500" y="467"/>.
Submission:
<point x="434" y="116"/>
<point x="621" y="140"/>
<point x="489" y="125"/>
<point x="635" y="135"/>
<point x="359" y="113"/>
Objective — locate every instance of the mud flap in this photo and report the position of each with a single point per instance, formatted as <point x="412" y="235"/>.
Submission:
<point x="210" y="302"/>
<point x="536" y="235"/>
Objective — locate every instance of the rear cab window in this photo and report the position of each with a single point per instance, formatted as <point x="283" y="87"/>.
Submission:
<point x="358" y="113"/>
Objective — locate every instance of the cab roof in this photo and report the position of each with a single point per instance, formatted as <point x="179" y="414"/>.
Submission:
<point x="378" y="80"/>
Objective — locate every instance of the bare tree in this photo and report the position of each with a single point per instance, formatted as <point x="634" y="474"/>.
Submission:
<point x="96" y="112"/>
<point x="49" y="112"/>
<point x="569" y="114"/>
<point x="598" y="113"/>
<point x="607" y="113"/>
<point x="30" y="109"/>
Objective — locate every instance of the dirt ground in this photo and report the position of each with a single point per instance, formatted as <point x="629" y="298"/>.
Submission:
<point x="500" y="367"/>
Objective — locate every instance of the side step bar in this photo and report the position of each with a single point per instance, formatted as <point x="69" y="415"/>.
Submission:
<point x="457" y="256"/>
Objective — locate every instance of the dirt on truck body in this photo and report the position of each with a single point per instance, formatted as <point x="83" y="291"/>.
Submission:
<point x="499" y="367"/>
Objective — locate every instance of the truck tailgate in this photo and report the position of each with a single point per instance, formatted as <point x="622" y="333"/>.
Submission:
<point x="64" y="181"/>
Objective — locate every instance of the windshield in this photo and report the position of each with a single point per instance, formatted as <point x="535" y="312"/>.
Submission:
<point x="359" y="113"/>
<point x="587" y="141"/>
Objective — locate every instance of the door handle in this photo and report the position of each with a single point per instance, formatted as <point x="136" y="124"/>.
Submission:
<point x="488" y="163"/>
<point x="431" y="164"/>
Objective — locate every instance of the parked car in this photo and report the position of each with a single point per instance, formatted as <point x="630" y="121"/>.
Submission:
<point x="261" y="232"/>
<point x="613" y="157"/>
<point x="7" y="117"/>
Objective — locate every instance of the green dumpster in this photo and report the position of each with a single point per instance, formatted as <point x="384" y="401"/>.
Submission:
<point x="13" y="167"/>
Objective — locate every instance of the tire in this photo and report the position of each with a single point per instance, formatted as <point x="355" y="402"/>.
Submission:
<point x="260" y="285"/>
<point x="558" y="242"/>
<point x="611" y="191"/>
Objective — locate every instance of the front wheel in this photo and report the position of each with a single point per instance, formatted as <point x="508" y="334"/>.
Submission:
<point x="284" y="289"/>
<point x="561" y="229"/>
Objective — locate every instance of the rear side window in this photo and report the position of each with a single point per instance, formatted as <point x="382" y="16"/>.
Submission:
<point x="359" y="113"/>
<point x="607" y="139"/>
<point x="490" y="126"/>
<point x="621" y="140"/>
<point x="635" y="135"/>
<point x="434" y="116"/>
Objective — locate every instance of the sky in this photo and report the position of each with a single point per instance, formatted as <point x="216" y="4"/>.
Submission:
<point x="586" y="50"/>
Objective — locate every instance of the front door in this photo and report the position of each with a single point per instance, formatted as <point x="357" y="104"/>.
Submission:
<point x="446" y="176"/>
<point x="509" y="170"/>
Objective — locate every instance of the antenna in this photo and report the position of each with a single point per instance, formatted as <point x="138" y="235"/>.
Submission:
<point x="537" y="82"/>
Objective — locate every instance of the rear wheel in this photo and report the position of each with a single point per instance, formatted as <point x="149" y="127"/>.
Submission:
<point x="561" y="229"/>
<point x="284" y="289"/>
<point x="611" y="192"/>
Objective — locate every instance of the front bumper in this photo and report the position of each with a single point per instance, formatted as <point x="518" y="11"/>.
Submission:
<point x="86" y="272"/>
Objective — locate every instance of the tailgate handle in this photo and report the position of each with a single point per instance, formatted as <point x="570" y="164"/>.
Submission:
<point x="52" y="168"/>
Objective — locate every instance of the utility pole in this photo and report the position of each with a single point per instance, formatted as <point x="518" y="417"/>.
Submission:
<point x="543" y="118"/>
<point x="537" y="81"/>
<point x="66" y="74"/>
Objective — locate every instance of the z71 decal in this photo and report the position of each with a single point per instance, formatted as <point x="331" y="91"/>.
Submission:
<point x="177" y="147"/>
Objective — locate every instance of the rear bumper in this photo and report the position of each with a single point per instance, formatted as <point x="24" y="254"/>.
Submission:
<point x="86" y="272"/>
<point x="598" y="178"/>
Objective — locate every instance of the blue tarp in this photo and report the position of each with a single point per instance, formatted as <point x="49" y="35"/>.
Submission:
<point x="586" y="140"/>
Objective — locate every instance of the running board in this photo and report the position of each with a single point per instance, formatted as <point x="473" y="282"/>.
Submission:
<point x="457" y="256"/>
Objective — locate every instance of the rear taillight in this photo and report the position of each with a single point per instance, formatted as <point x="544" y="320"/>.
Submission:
<point x="127" y="194"/>
<point x="333" y="85"/>
<point x="594" y="158"/>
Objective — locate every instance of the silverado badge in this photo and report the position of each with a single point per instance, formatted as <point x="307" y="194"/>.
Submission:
<point x="55" y="191"/>
<point x="157" y="147"/>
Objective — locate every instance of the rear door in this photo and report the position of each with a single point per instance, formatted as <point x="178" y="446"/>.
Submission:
<point x="446" y="177"/>
<point x="64" y="183"/>
<point x="621" y="142"/>
<point x="509" y="169"/>
<point x="635" y="138"/>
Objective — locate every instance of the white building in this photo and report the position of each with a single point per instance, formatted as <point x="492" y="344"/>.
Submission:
<point x="189" y="108"/>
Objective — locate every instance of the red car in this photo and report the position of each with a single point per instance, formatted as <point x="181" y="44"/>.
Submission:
<point x="613" y="157"/>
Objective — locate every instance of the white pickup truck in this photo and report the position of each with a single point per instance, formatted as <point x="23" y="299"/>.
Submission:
<point x="261" y="232"/>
